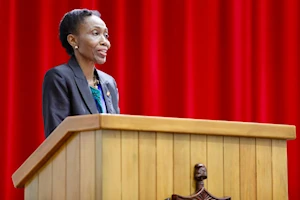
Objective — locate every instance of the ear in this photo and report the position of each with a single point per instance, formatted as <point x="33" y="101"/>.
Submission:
<point x="72" y="40"/>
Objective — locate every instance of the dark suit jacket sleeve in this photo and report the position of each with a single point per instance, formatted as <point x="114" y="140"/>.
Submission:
<point x="56" y="103"/>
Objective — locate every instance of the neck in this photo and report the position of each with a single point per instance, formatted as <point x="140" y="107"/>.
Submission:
<point x="87" y="67"/>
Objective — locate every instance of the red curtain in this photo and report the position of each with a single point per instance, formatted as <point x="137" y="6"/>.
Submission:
<point x="209" y="59"/>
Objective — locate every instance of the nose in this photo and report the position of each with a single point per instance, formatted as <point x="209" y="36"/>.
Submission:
<point x="105" y="42"/>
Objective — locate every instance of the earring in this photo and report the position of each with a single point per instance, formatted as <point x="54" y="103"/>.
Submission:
<point x="76" y="47"/>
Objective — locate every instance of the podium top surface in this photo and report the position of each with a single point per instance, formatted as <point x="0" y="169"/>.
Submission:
<point x="144" y="123"/>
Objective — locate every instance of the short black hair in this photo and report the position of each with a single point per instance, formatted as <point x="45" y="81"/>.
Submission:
<point x="69" y="25"/>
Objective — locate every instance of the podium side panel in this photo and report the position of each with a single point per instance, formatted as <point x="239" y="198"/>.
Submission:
<point x="182" y="179"/>
<point x="247" y="168"/>
<point x="87" y="165"/>
<point x="59" y="174"/>
<point x="31" y="191"/>
<point x="147" y="165"/>
<point x="130" y="170"/>
<point x="111" y="164"/>
<point x="73" y="168"/>
<point x="215" y="165"/>
<point x="164" y="154"/>
<point x="99" y="152"/>
<point x="279" y="170"/>
<point x="45" y="181"/>
<point x="198" y="155"/>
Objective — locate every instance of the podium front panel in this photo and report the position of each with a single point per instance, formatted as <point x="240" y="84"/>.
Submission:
<point x="145" y="165"/>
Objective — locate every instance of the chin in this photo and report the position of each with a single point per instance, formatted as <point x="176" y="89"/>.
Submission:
<point x="101" y="61"/>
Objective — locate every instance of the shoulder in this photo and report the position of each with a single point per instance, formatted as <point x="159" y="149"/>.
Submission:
<point x="59" y="75"/>
<point x="105" y="77"/>
<point x="60" y="70"/>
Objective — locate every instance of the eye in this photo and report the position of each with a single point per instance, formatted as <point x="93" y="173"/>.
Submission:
<point x="95" y="32"/>
<point x="106" y="35"/>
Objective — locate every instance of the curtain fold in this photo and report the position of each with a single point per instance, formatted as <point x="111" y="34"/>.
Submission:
<point x="205" y="59"/>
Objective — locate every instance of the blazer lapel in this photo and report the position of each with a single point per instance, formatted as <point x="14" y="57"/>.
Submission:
<point x="106" y="94"/>
<point x="83" y="86"/>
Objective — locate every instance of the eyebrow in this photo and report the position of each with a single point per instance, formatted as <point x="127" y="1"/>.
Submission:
<point x="101" y="27"/>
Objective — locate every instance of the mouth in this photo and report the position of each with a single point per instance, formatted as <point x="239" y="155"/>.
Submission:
<point x="102" y="52"/>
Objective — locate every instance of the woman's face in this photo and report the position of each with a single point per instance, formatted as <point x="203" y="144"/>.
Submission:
<point x="92" y="40"/>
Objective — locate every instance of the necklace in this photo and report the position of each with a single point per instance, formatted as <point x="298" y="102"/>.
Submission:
<point x="96" y="82"/>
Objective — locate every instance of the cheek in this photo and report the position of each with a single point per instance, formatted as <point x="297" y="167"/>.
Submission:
<point x="108" y="43"/>
<point x="87" y="43"/>
<point x="89" y="49"/>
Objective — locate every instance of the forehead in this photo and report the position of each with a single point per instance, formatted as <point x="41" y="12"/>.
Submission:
<point x="91" y="22"/>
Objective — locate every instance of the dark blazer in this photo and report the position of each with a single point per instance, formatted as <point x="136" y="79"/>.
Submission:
<point x="66" y="93"/>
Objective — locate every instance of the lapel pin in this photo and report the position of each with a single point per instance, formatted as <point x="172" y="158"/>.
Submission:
<point x="107" y="93"/>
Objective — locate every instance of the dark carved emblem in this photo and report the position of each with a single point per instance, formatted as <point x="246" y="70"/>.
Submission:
<point x="200" y="174"/>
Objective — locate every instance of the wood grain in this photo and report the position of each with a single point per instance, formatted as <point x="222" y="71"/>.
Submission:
<point x="264" y="169"/>
<point x="87" y="165"/>
<point x="147" y="165"/>
<point x="130" y="169"/>
<point x="232" y="167"/>
<point x="279" y="170"/>
<point x="198" y="155"/>
<point x="197" y="126"/>
<point x="248" y="168"/>
<point x="182" y="178"/>
<point x="59" y="174"/>
<point x="73" y="168"/>
<point x="215" y="165"/>
<point x="143" y="123"/>
<point x="57" y="138"/>
<point x="45" y="181"/>
<point x="31" y="191"/>
<point x="99" y="175"/>
<point x="111" y="165"/>
<point x="164" y="165"/>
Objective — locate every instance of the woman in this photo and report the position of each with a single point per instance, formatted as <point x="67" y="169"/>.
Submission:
<point x="77" y="87"/>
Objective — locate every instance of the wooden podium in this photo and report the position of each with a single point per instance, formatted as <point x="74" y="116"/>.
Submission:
<point x="111" y="157"/>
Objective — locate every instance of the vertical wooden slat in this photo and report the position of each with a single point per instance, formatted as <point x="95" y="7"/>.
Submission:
<point x="59" y="174"/>
<point x="130" y="181"/>
<point x="87" y="165"/>
<point x="215" y="165"/>
<point x="247" y="168"/>
<point x="164" y="155"/>
<point x="45" y="181"/>
<point x="98" y="184"/>
<point x="111" y="162"/>
<point x="31" y="191"/>
<point x="182" y="179"/>
<point x="198" y="155"/>
<point x="264" y="169"/>
<point x="147" y="165"/>
<point x="232" y="167"/>
<point x="73" y="168"/>
<point x="279" y="166"/>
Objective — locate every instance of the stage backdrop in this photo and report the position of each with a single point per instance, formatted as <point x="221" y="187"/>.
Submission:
<point x="204" y="59"/>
